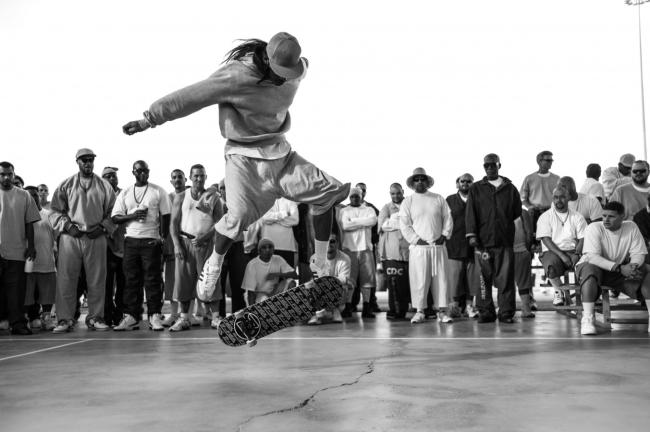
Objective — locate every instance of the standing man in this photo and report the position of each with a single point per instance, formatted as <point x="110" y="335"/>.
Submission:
<point x="356" y="221"/>
<point x="113" y="305"/>
<point x="537" y="189"/>
<point x="493" y="205"/>
<point x="426" y="223"/>
<point x="619" y="175"/>
<point x="374" y="232"/>
<point x="613" y="254"/>
<point x="144" y="208"/>
<point x="277" y="225"/>
<point x="81" y="209"/>
<point x="634" y="195"/>
<point x="463" y="272"/>
<point x="18" y="212"/>
<point x="254" y="91"/>
<point x="394" y="255"/>
<point x="592" y="186"/>
<point x="43" y="193"/>
<point x="561" y="231"/>
<point x="193" y="236"/>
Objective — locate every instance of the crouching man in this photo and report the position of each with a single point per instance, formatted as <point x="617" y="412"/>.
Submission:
<point x="613" y="255"/>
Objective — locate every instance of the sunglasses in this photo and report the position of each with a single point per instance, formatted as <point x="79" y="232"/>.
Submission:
<point x="87" y="159"/>
<point x="333" y="241"/>
<point x="141" y="170"/>
<point x="465" y="181"/>
<point x="641" y="171"/>
<point x="420" y="179"/>
<point x="490" y="165"/>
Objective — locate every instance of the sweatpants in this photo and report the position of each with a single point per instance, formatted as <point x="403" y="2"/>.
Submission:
<point x="397" y="282"/>
<point x="428" y="271"/>
<point x="498" y="269"/>
<point x="73" y="253"/>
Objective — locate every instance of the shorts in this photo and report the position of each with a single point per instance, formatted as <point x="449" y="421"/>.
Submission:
<point x="362" y="268"/>
<point x="553" y="265"/>
<point x="40" y="288"/>
<point x="523" y="272"/>
<point x="631" y="287"/>
<point x="253" y="185"/>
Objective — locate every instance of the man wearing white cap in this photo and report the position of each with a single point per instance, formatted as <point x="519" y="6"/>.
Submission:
<point x="614" y="177"/>
<point x="356" y="221"/>
<point x="81" y="211"/>
<point x="254" y="91"/>
<point x="426" y="223"/>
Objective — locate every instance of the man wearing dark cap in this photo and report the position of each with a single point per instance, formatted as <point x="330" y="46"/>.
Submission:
<point x="614" y="177"/>
<point x="81" y="211"/>
<point x="254" y="90"/>
<point x="493" y="204"/>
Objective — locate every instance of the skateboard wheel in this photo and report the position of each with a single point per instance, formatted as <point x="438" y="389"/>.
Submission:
<point x="251" y="343"/>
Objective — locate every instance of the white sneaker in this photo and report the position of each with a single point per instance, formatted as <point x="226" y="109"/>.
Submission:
<point x="170" y="320"/>
<point x="156" y="323"/>
<point x="63" y="326"/>
<point x="319" y="267"/>
<point x="195" y="321"/>
<point x="471" y="311"/>
<point x="180" y="325"/>
<point x="587" y="326"/>
<point x="48" y="322"/>
<point x="444" y="318"/>
<point x="314" y="320"/>
<point x="418" y="318"/>
<point x="216" y="319"/>
<point x="97" y="324"/>
<point x="208" y="281"/>
<point x="4" y="325"/>
<point x="558" y="299"/>
<point x="336" y="316"/>
<point x="128" y="323"/>
<point x="35" y="324"/>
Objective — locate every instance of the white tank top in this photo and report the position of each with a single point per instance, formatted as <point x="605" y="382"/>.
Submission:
<point x="194" y="221"/>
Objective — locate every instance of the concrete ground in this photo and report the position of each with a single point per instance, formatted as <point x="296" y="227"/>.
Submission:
<point x="363" y="375"/>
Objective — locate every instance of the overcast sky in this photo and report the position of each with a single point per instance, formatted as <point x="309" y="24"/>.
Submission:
<point x="392" y="85"/>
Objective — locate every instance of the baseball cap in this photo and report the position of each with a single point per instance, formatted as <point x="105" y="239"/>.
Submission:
<point x="627" y="160"/>
<point x="108" y="170"/>
<point x="85" y="152"/>
<point x="284" y="56"/>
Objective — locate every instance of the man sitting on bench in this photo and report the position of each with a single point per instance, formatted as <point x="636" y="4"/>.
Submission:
<point x="613" y="255"/>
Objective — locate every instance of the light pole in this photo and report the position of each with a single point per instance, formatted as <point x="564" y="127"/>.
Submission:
<point x="638" y="4"/>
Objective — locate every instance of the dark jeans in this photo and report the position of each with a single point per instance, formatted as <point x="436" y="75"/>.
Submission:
<point x="399" y="291"/>
<point x="115" y="281"/>
<point x="234" y="265"/>
<point x="497" y="269"/>
<point x="12" y="292"/>
<point x="142" y="265"/>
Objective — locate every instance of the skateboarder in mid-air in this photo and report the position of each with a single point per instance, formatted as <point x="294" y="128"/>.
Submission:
<point x="254" y="89"/>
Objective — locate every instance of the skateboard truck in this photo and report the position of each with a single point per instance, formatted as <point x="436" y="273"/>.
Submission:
<point x="247" y="326"/>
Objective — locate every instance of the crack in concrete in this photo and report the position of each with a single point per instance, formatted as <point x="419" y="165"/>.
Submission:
<point x="370" y="368"/>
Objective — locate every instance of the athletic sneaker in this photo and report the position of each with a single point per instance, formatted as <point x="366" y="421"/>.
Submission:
<point x="36" y="324"/>
<point x="170" y="320"/>
<point x="216" y="319"/>
<point x="47" y="321"/>
<point x="587" y="326"/>
<point x="418" y="318"/>
<point x="97" y="324"/>
<point x="128" y="323"/>
<point x="180" y="325"/>
<point x="208" y="280"/>
<point x="471" y="311"/>
<point x="63" y="326"/>
<point x="558" y="299"/>
<point x="444" y="318"/>
<point x="319" y="267"/>
<point x="336" y="316"/>
<point x="155" y="322"/>
<point x="195" y="321"/>
<point x="4" y="325"/>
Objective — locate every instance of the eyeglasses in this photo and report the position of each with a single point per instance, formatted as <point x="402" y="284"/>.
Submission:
<point x="641" y="171"/>
<point x="420" y="179"/>
<point x="87" y="159"/>
<point x="489" y="165"/>
<point x="332" y="241"/>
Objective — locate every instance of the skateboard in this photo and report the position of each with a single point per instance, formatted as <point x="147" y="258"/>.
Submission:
<point x="280" y="311"/>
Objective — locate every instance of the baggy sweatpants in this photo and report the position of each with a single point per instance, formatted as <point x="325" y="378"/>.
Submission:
<point x="428" y="271"/>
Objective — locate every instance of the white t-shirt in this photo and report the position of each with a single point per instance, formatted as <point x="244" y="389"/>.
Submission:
<point x="605" y="248"/>
<point x="564" y="229"/>
<point x="257" y="270"/>
<point x="588" y="206"/>
<point x="277" y="224"/>
<point x="150" y="196"/>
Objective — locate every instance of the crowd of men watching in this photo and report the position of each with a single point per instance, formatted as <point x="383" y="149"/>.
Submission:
<point x="122" y="249"/>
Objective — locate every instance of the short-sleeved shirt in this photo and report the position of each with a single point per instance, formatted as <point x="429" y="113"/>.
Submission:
<point x="605" y="248"/>
<point x="17" y="208"/>
<point x="256" y="271"/>
<point x="564" y="229"/>
<point x="150" y="196"/>
<point x="588" y="206"/>
<point x="44" y="238"/>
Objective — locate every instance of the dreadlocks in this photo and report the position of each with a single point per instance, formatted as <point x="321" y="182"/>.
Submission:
<point x="256" y="47"/>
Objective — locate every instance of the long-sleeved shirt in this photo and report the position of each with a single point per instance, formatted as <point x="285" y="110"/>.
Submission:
<point x="606" y="249"/>
<point x="537" y="190"/>
<point x="277" y="224"/>
<point x="85" y="206"/>
<point x="633" y="197"/>
<point x="357" y="222"/>
<point x="392" y="245"/>
<point x="425" y="216"/>
<point x="253" y="115"/>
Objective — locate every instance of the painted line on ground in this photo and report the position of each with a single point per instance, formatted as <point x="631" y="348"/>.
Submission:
<point x="461" y="338"/>
<point x="44" y="349"/>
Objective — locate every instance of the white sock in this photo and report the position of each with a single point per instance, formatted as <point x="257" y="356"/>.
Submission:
<point x="320" y="249"/>
<point x="588" y="308"/>
<point x="174" y="307"/>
